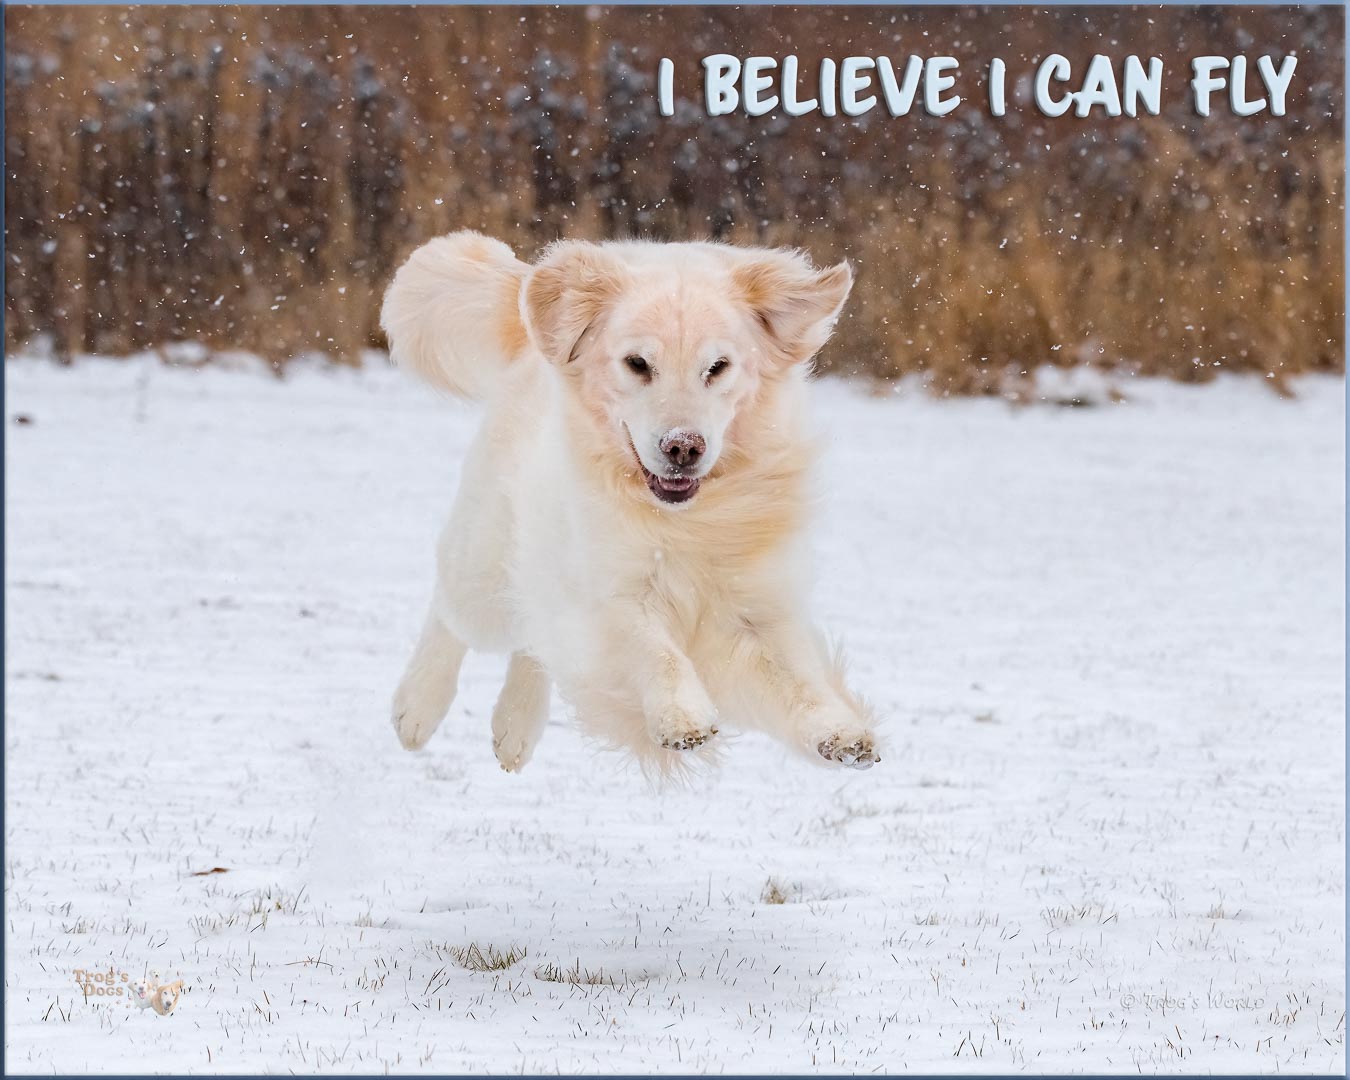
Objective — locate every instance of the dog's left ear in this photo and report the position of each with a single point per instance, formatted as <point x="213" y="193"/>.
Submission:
<point x="566" y="291"/>
<point x="795" y="303"/>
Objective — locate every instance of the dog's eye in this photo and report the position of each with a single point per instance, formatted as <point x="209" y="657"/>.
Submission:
<point x="638" y="366"/>
<point x="718" y="366"/>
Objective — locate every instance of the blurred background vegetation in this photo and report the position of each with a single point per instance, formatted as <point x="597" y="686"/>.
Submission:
<point x="249" y="178"/>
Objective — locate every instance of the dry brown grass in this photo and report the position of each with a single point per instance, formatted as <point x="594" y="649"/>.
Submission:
<point x="576" y="975"/>
<point x="249" y="178"/>
<point x="777" y="892"/>
<point x="475" y="957"/>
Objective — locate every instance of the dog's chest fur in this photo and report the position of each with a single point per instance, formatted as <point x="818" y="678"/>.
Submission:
<point x="701" y="577"/>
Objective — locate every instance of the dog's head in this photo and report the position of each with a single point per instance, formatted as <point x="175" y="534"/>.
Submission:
<point x="663" y="344"/>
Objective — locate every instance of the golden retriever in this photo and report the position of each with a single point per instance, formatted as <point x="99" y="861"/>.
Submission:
<point x="629" y="523"/>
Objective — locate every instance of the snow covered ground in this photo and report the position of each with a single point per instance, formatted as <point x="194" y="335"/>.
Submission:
<point x="1108" y="834"/>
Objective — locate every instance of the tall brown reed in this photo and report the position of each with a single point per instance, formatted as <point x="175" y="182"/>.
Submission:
<point x="249" y="178"/>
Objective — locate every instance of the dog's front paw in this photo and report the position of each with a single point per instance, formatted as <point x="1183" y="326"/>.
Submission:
<point x="682" y="730"/>
<point x="852" y="750"/>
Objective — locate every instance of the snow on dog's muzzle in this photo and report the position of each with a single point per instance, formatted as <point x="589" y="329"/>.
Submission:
<point x="683" y="450"/>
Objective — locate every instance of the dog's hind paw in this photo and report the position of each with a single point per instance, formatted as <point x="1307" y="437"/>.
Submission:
<point x="512" y="752"/>
<point x="414" y="720"/>
<point x="852" y="752"/>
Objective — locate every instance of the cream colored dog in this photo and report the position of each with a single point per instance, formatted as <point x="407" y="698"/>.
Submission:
<point x="629" y="520"/>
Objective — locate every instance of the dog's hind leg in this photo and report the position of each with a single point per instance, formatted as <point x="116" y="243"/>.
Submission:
<point x="428" y="686"/>
<point x="521" y="712"/>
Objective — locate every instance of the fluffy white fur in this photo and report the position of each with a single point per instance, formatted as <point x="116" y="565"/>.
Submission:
<point x="629" y="521"/>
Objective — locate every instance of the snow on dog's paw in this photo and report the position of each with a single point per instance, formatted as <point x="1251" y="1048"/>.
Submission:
<point x="679" y="730"/>
<point x="850" y="751"/>
<point x="691" y="740"/>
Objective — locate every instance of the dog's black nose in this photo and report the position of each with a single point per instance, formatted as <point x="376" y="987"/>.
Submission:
<point x="683" y="448"/>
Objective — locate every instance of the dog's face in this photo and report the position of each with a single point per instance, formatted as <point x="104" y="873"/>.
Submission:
<point x="665" y="370"/>
<point x="664" y="345"/>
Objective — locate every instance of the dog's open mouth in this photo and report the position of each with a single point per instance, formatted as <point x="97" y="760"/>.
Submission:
<point x="670" y="489"/>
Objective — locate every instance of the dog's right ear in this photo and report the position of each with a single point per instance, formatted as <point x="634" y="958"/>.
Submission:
<point x="566" y="291"/>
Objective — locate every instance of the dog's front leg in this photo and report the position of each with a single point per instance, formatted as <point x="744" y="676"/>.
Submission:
<point x="678" y="711"/>
<point x="786" y="681"/>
